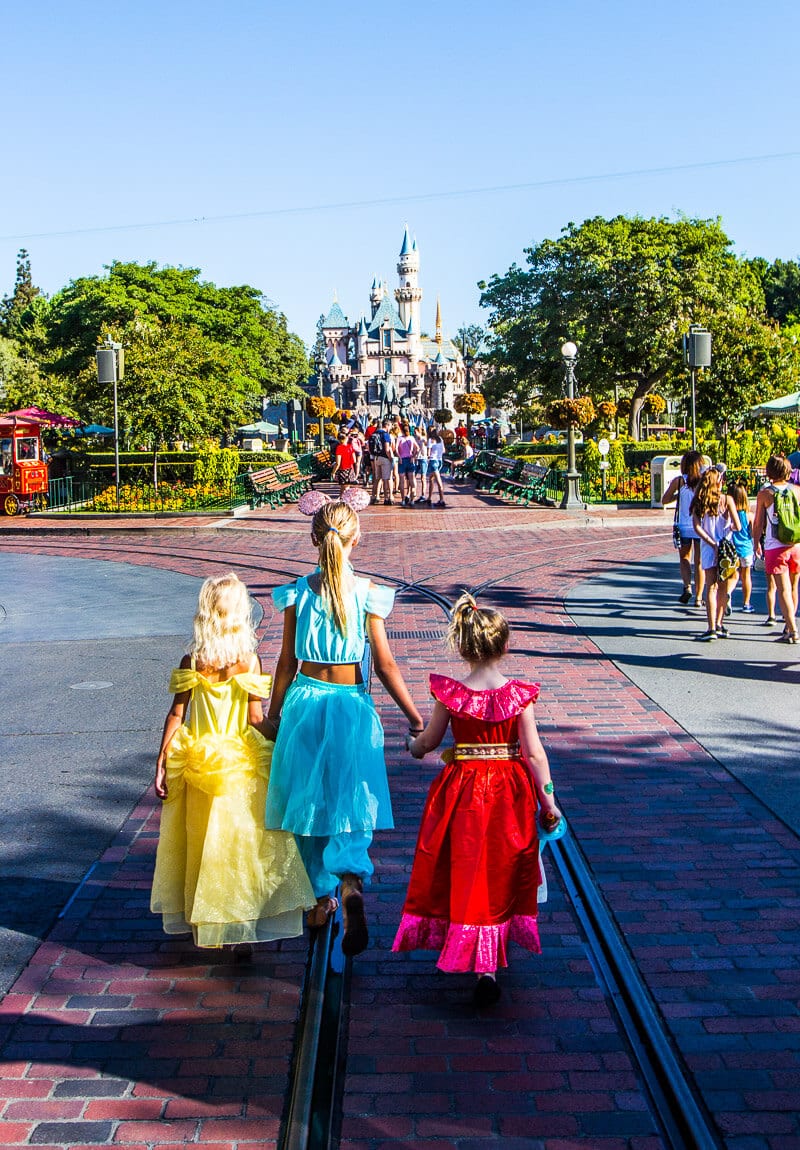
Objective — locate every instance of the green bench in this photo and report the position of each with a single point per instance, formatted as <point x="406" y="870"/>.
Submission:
<point x="501" y="469"/>
<point x="267" y="487"/>
<point x="529" y="486"/>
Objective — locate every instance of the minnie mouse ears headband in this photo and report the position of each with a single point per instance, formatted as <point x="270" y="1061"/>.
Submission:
<point x="355" y="498"/>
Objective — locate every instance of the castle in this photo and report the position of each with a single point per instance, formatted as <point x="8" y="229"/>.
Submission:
<point x="384" y="364"/>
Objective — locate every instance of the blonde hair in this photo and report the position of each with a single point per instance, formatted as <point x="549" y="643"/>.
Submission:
<point x="707" y="494"/>
<point x="332" y="528"/>
<point x="477" y="633"/>
<point x="223" y="625"/>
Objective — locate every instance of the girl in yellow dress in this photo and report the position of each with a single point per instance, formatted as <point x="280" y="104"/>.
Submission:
<point x="219" y="873"/>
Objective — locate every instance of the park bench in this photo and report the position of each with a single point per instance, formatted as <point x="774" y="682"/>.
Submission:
<point x="503" y="468"/>
<point x="461" y="468"/>
<point x="290" y="473"/>
<point x="529" y="486"/>
<point x="267" y="486"/>
<point x="321" y="464"/>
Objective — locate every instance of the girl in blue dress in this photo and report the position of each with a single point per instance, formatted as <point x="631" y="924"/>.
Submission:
<point x="328" y="781"/>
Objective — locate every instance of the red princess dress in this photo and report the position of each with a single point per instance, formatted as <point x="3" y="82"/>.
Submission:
<point x="475" y="877"/>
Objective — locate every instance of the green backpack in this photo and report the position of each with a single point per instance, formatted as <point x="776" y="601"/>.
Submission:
<point x="787" y="511"/>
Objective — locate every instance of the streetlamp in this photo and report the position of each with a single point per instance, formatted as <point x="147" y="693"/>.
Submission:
<point x="572" y="486"/>
<point x="321" y="366"/>
<point x="696" y="353"/>
<point x="110" y="369"/>
<point x="468" y="362"/>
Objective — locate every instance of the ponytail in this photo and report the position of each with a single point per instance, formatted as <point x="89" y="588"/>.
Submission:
<point x="334" y="526"/>
<point x="477" y="633"/>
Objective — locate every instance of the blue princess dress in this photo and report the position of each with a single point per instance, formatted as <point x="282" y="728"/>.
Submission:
<point x="328" y="782"/>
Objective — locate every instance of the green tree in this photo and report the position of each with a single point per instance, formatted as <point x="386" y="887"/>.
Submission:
<point x="624" y="290"/>
<point x="781" y="283"/>
<point x="751" y="361"/>
<point x="178" y="384"/>
<point x="18" y="311"/>
<point x="22" y="384"/>
<point x="255" y="352"/>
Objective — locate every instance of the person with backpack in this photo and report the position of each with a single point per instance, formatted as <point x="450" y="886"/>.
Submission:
<point x="777" y="518"/>
<point x="382" y="456"/>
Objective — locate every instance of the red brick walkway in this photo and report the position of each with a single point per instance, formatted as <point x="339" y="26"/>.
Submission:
<point x="114" y="1034"/>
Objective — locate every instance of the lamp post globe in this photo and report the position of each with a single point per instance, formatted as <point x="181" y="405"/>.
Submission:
<point x="571" y="499"/>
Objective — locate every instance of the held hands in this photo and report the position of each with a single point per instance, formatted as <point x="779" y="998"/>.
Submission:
<point x="411" y="742"/>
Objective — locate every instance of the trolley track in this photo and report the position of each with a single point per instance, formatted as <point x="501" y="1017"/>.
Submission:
<point x="320" y="1046"/>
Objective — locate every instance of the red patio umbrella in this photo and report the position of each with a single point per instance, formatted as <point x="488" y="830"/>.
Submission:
<point x="36" y="415"/>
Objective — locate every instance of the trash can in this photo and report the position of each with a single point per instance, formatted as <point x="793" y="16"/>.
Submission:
<point x="663" y="470"/>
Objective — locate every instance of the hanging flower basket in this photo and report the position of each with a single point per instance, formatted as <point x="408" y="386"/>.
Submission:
<point x="442" y="415"/>
<point x="321" y="405"/>
<point x="607" y="409"/>
<point x="577" y="412"/>
<point x="469" y="403"/>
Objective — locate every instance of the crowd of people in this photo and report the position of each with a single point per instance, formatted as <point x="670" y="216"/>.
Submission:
<point x="267" y="817"/>
<point x="720" y="539"/>
<point x="403" y="464"/>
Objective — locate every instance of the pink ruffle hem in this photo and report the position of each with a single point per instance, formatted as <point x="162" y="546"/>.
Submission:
<point x="481" y="949"/>
<point x="493" y="706"/>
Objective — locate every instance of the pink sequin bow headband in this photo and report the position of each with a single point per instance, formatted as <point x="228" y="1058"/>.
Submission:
<point x="356" y="499"/>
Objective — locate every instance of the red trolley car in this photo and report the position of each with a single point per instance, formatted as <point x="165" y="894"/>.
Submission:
<point x="23" y="470"/>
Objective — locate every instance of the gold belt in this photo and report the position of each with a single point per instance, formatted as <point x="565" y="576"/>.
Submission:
<point x="486" y="750"/>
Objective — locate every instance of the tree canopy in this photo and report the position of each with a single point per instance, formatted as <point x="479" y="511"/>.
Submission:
<point x="249" y="342"/>
<point x="625" y="290"/>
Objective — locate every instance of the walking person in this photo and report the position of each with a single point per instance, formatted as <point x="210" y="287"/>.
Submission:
<point x="382" y="456"/>
<point x="219" y="873"/>
<point x="435" y="463"/>
<point x="743" y="542"/>
<point x="777" y="505"/>
<point x="406" y="450"/>
<point x="715" y="518"/>
<point x="328" y="783"/>
<point x="344" y="469"/>
<point x="421" y="463"/>
<point x="682" y="489"/>
<point x="476" y="874"/>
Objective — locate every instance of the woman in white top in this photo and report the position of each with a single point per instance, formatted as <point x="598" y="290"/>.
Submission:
<point x="714" y="517"/>
<point x="435" y="457"/>
<point x="421" y="463"/>
<point x="682" y="488"/>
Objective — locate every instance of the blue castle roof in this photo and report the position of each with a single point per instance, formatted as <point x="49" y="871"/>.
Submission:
<point x="335" y="317"/>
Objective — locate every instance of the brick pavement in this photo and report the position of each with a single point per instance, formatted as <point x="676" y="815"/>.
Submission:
<point x="115" y="1034"/>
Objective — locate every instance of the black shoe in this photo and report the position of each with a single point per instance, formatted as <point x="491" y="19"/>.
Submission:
<point x="487" y="992"/>
<point x="686" y="596"/>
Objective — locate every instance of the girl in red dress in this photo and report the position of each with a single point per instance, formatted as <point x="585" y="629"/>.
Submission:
<point x="475" y="877"/>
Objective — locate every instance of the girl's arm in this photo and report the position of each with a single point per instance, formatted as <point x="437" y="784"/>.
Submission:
<point x="431" y="737"/>
<point x="702" y="533"/>
<point x="172" y="723"/>
<point x="733" y="513"/>
<point x="389" y="673"/>
<point x="255" y="704"/>
<point x="535" y="756"/>
<point x="671" y="494"/>
<point x="283" y="678"/>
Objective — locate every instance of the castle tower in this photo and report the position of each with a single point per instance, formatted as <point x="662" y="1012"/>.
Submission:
<point x="375" y="295"/>
<point x="409" y="293"/>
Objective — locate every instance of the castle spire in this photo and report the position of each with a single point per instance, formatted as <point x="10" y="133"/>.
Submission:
<point x="438" y="321"/>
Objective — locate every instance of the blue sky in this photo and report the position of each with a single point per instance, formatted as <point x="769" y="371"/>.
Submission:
<point x="127" y="114"/>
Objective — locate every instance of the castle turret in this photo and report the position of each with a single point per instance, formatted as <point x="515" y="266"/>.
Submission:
<point x="375" y="294"/>
<point x="409" y="293"/>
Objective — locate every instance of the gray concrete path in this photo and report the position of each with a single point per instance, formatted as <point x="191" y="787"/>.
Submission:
<point x="87" y="647"/>
<point x="738" y="697"/>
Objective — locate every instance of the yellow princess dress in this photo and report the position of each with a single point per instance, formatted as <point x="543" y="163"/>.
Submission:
<point x="219" y="873"/>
